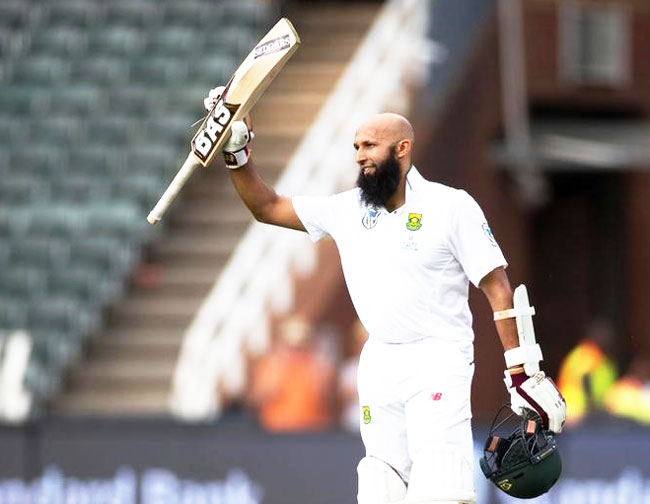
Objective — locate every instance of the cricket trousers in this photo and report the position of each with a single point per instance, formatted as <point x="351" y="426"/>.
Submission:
<point x="415" y="396"/>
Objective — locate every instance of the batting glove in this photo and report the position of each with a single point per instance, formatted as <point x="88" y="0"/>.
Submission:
<point x="213" y="97"/>
<point x="236" y="151"/>
<point x="537" y="393"/>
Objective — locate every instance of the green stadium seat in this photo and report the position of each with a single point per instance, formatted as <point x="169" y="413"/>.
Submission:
<point x="12" y="129"/>
<point x="79" y="282"/>
<point x="123" y="220"/>
<point x="188" y="98"/>
<point x="88" y="159"/>
<point x="18" y="99"/>
<point x="21" y="188"/>
<point x="5" y="250"/>
<point x="39" y="251"/>
<point x="56" y="129"/>
<point x="23" y="282"/>
<point x="56" y="349"/>
<point x="13" y="313"/>
<point x="100" y="70"/>
<point x="248" y="13"/>
<point x="143" y="188"/>
<point x="155" y="158"/>
<point x="160" y="71"/>
<point x="78" y="189"/>
<point x="64" y="314"/>
<point x="111" y="130"/>
<point x="14" y="221"/>
<point x="214" y="68"/>
<point x="72" y="13"/>
<point x="105" y="253"/>
<point x="39" y="158"/>
<point x="42" y="380"/>
<point x="174" y="41"/>
<point x="132" y="13"/>
<point x="59" y="221"/>
<point x="192" y="14"/>
<point x="74" y="99"/>
<point x="121" y="41"/>
<point x="39" y="70"/>
<point x="174" y="129"/>
<point x="14" y="14"/>
<point x="133" y="100"/>
<point x="61" y="41"/>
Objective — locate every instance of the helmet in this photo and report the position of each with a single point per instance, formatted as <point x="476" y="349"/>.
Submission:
<point x="525" y="464"/>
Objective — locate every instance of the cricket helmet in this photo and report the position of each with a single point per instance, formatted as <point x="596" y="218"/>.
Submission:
<point x="527" y="462"/>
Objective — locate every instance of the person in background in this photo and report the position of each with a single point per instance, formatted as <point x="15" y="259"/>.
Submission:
<point x="292" y="385"/>
<point x="588" y="371"/>
<point x="348" y="397"/>
<point x="629" y="396"/>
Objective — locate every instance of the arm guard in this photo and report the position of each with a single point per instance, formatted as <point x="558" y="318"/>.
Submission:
<point x="528" y="353"/>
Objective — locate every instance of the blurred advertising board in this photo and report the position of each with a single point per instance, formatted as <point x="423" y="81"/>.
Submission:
<point x="163" y="462"/>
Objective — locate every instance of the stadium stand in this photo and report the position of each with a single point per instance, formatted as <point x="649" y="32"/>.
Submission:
<point x="86" y="148"/>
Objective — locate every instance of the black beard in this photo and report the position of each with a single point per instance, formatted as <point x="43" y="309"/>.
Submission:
<point x="377" y="188"/>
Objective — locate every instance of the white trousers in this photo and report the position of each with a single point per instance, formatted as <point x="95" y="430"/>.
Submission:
<point x="415" y="398"/>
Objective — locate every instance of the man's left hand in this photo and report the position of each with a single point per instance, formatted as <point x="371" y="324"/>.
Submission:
<point x="537" y="393"/>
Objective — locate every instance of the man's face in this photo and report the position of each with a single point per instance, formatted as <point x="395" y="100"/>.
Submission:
<point x="379" y="169"/>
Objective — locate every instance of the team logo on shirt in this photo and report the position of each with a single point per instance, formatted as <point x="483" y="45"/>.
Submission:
<point x="371" y="217"/>
<point x="366" y="415"/>
<point x="414" y="221"/>
<point x="488" y="233"/>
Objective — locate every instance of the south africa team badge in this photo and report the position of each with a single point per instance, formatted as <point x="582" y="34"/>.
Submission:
<point x="414" y="221"/>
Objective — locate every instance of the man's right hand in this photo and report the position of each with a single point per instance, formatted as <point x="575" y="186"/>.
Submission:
<point x="235" y="151"/>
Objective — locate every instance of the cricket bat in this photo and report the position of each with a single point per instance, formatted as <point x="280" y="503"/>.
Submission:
<point x="241" y="93"/>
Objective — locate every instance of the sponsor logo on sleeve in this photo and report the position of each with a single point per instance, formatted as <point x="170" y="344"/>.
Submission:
<point x="488" y="233"/>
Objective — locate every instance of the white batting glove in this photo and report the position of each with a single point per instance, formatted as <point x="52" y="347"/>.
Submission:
<point x="236" y="151"/>
<point x="213" y="97"/>
<point x="537" y="393"/>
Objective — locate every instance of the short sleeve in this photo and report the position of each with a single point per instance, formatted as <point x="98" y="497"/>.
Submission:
<point x="472" y="241"/>
<point x="315" y="213"/>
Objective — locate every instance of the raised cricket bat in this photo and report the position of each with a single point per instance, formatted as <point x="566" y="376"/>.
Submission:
<point x="242" y="91"/>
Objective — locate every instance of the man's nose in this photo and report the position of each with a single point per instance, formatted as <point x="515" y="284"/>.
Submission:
<point x="361" y="156"/>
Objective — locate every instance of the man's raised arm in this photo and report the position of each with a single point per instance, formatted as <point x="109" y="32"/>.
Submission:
<point x="264" y="203"/>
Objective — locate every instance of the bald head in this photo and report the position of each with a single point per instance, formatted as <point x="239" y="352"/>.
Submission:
<point x="390" y="126"/>
<point x="382" y="133"/>
<point x="393" y="127"/>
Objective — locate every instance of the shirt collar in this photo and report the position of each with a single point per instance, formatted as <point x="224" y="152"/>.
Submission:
<point x="413" y="182"/>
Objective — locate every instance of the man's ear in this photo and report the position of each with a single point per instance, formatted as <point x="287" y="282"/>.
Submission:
<point x="403" y="148"/>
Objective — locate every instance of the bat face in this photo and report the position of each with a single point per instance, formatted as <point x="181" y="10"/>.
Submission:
<point x="245" y="87"/>
<point x="214" y="128"/>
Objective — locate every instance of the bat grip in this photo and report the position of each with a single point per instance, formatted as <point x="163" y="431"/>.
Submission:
<point x="173" y="189"/>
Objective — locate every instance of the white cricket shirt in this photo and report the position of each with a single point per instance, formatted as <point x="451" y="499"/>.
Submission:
<point x="408" y="271"/>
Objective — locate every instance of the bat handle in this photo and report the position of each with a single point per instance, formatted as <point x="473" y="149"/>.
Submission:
<point x="173" y="189"/>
